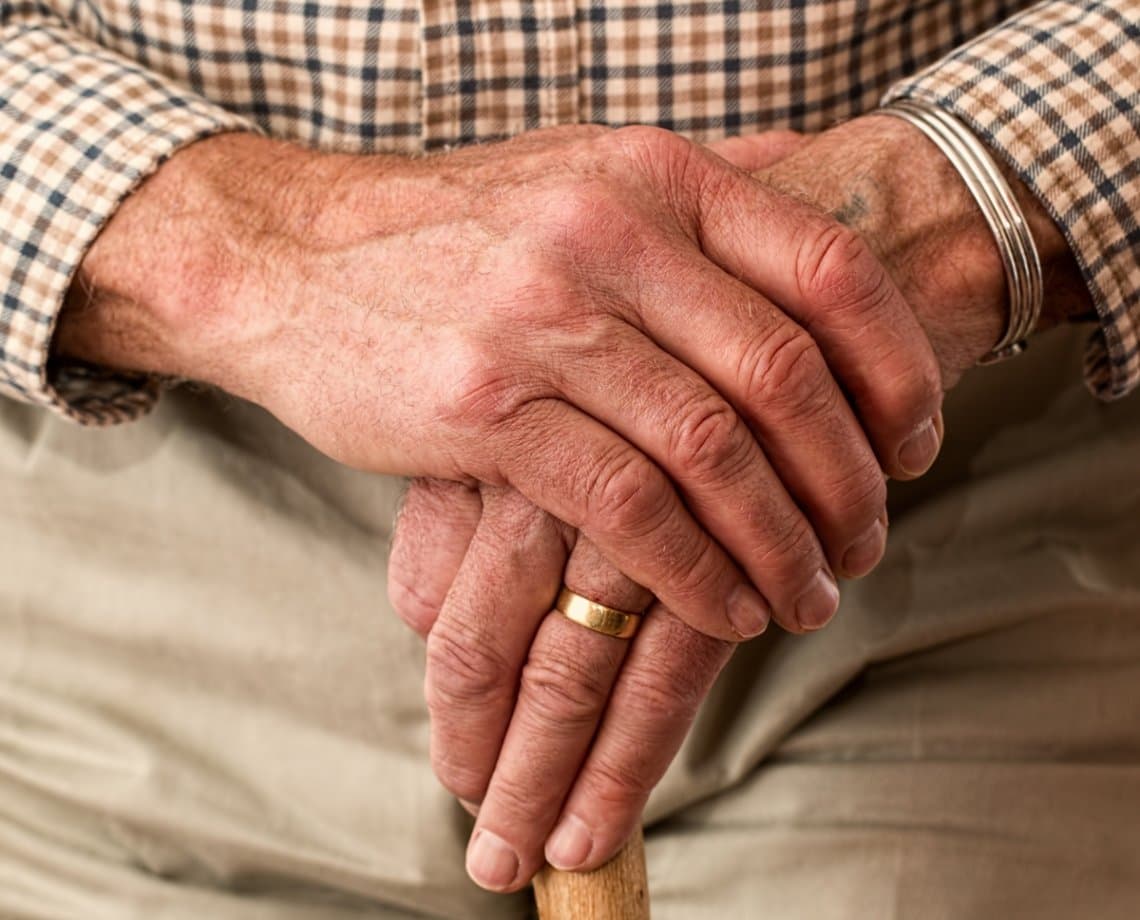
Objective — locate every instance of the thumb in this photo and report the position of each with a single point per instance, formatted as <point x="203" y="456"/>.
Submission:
<point x="754" y="152"/>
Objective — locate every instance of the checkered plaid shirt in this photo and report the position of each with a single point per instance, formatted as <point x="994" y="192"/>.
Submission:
<point x="94" y="94"/>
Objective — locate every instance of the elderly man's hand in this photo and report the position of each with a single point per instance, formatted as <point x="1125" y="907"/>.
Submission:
<point x="607" y="321"/>
<point x="517" y="694"/>
<point x="564" y="732"/>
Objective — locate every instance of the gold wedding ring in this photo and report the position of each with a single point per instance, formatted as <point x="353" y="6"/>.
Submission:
<point x="595" y="616"/>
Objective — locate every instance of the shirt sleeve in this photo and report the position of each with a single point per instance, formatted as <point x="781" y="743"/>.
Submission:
<point x="80" y="127"/>
<point x="1055" y="92"/>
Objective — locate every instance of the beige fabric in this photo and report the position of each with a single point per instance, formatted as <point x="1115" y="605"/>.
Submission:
<point x="207" y="709"/>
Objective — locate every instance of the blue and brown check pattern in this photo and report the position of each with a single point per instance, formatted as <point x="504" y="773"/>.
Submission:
<point x="94" y="94"/>
<point x="1056" y="92"/>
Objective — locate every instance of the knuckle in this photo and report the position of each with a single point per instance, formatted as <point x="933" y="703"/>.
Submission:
<point x="674" y="165"/>
<point x="483" y="389"/>
<point x="464" y="672"/>
<point x="624" y="494"/>
<point x="836" y="269"/>
<point x="563" y="690"/>
<point x="586" y="230"/>
<point x="516" y="795"/>
<point x="699" y="571"/>
<point x="906" y="391"/>
<point x="860" y="492"/>
<point x="665" y="699"/>
<point x="697" y="655"/>
<point x="710" y="441"/>
<point x="851" y="505"/>
<point x="621" y="781"/>
<point x="579" y="211"/>
<point x="651" y="144"/>
<point x="793" y="551"/>
<point x="458" y="774"/>
<point x="918" y="390"/>
<point x="410" y="605"/>
<point x="539" y="277"/>
<point x="786" y="370"/>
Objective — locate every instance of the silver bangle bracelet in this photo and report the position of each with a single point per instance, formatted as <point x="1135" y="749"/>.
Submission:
<point x="1003" y="214"/>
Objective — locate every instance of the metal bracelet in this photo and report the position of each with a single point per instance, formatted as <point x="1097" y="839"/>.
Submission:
<point x="1002" y="213"/>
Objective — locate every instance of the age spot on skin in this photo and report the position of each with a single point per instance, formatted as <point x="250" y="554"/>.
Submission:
<point x="851" y="211"/>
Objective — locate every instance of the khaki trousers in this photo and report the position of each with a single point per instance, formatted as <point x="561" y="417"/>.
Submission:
<point x="208" y="710"/>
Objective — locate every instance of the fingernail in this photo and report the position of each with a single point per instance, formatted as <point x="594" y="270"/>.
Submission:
<point x="919" y="450"/>
<point x="747" y="612"/>
<point x="470" y="807"/>
<point x="570" y="844"/>
<point x="864" y="554"/>
<point x="491" y="862"/>
<point x="817" y="605"/>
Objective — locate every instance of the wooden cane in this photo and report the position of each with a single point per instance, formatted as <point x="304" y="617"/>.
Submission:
<point x="615" y="891"/>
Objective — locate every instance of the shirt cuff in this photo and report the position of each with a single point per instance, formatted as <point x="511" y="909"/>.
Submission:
<point x="1053" y="92"/>
<point x="80" y="128"/>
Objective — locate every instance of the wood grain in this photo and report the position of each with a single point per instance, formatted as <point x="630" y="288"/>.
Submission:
<point x="616" y="891"/>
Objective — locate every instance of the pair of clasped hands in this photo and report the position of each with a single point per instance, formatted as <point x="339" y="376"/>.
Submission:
<point x="704" y="382"/>
<point x="702" y="387"/>
<point x="665" y="375"/>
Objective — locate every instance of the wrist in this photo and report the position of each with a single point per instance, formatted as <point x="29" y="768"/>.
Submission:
<point x="885" y="179"/>
<point x="176" y="282"/>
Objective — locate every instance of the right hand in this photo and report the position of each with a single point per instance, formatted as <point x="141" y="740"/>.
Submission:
<point x="612" y="322"/>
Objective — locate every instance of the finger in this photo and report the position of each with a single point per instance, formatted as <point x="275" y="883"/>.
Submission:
<point x="824" y="275"/>
<point x="663" y="681"/>
<point x="753" y="152"/>
<point x="436" y="522"/>
<point x="775" y="376"/>
<point x="725" y="478"/>
<point x="562" y="693"/>
<point x="477" y="647"/>
<point x="590" y="574"/>
<point x="584" y="474"/>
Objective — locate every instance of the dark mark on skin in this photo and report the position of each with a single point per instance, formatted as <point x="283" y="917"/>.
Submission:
<point x="852" y="212"/>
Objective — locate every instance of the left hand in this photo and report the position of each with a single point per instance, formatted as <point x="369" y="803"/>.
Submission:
<point x="515" y="724"/>
<point x="473" y="559"/>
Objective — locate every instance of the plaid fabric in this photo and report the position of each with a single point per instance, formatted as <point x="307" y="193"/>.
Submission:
<point x="95" y="93"/>
<point x="1056" y="92"/>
